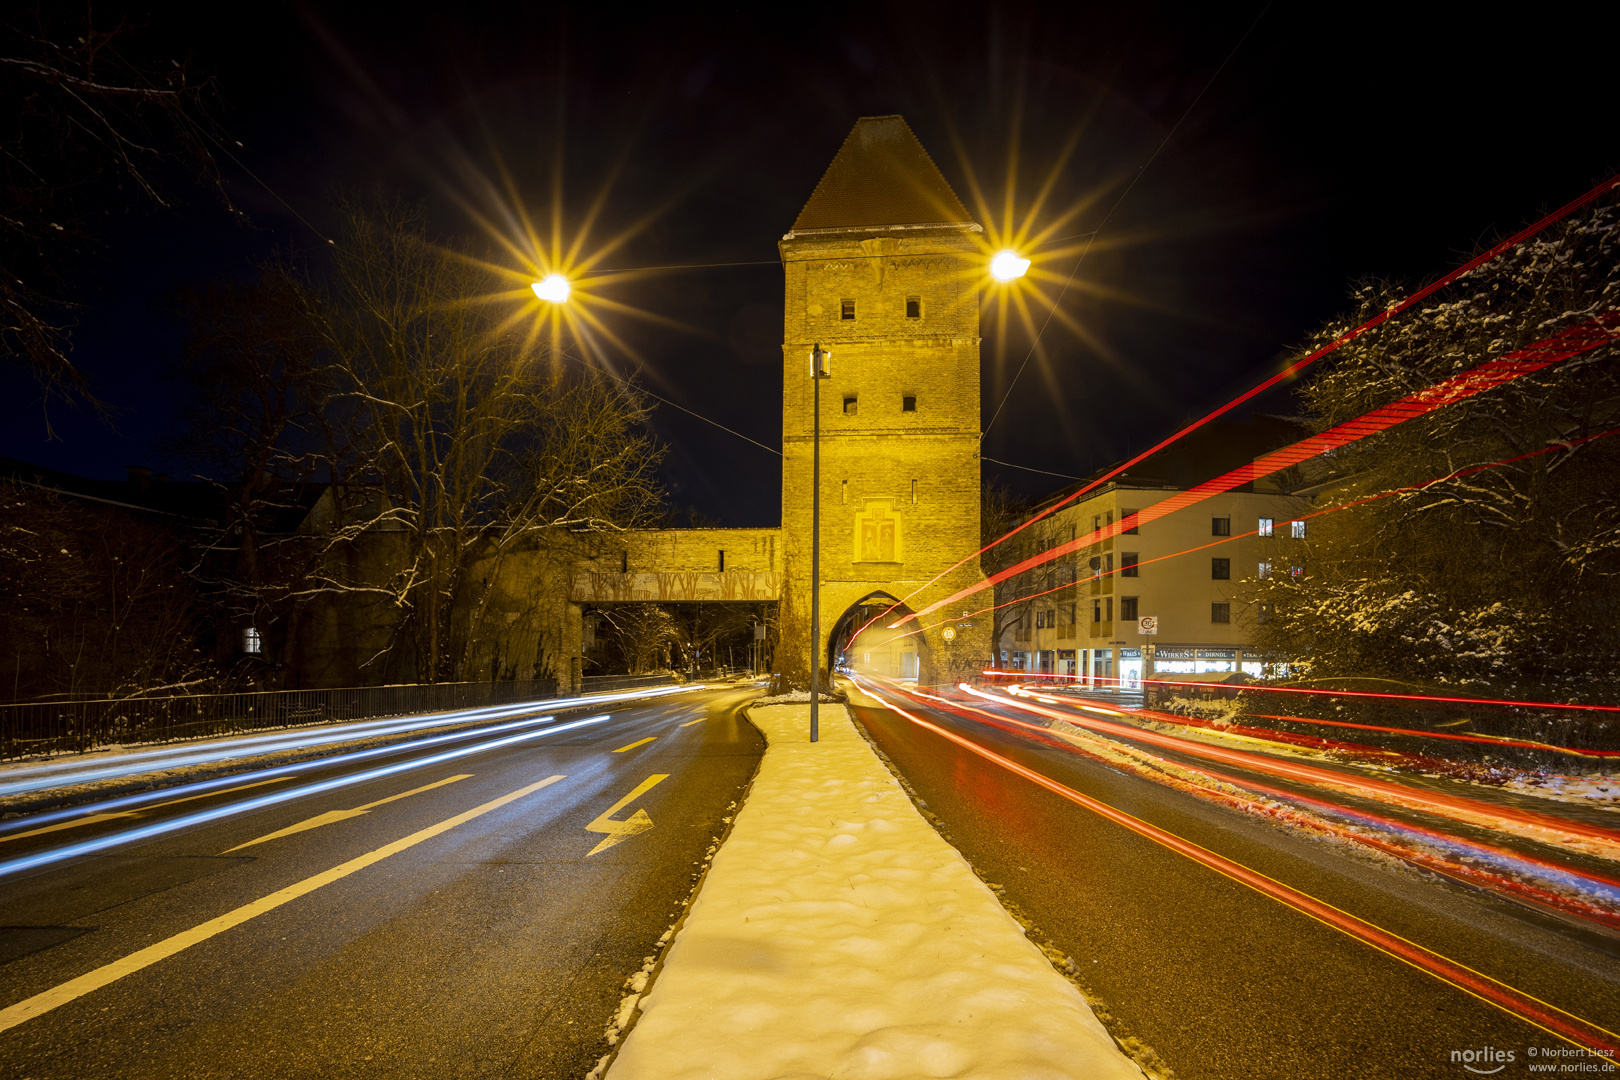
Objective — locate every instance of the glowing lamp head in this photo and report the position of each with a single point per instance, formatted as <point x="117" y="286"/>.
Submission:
<point x="554" y="288"/>
<point x="1007" y="265"/>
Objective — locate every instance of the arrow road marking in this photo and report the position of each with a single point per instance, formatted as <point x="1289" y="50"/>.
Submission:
<point x="637" y="822"/>
<point x="332" y="816"/>
<point x="109" y="973"/>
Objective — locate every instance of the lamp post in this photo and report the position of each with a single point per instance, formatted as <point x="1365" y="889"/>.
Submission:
<point x="820" y="368"/>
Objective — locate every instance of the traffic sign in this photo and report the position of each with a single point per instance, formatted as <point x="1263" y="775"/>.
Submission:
<point x="1147" y="624"/>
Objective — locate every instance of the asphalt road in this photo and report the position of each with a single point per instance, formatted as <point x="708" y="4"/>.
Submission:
<point x="1215" y="978"/>
<point x="474" y="935"/>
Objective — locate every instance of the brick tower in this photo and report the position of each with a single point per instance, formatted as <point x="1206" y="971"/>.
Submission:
<point x="883" y="267"/>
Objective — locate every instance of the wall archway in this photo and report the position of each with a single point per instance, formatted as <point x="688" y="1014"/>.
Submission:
<point x="876" y="650"/>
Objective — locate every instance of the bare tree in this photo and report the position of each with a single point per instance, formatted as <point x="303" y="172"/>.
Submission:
<point x="87" y="120"/>
<point x="479" y="448"/>
<point x="98" y="601"/>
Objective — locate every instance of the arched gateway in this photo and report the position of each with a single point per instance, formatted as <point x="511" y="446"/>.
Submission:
<point x="883" y="267"/>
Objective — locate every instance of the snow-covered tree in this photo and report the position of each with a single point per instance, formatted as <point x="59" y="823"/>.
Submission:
<point x="1493" y="556"/>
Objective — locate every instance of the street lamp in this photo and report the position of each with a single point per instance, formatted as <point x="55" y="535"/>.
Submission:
<point x="553" y="288"/>
<point x="1007" y="265"/>
<point x="820" y="368"/>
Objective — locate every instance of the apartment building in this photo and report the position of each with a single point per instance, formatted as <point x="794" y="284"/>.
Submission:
<point x="1081" y="614"/>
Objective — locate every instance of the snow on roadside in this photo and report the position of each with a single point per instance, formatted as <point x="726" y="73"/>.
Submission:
<point x="837" y="934"/>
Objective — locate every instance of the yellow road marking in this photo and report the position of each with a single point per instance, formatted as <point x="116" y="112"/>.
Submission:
<point x="138" y="811"/>
<point x="637" y="822"/>
<point x="699" y="720"/>
<point x="332" y="816"/>
<point x="638" y="742"/>
<point x="109" y="973"/>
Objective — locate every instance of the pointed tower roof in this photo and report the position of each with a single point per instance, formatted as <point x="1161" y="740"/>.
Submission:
<point x="881" y="177"/>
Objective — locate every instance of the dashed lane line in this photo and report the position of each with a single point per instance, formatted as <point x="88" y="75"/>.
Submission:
<point x="119" y="815"/>
<point x="73" y="989"/>
<point x="638" y="742"/>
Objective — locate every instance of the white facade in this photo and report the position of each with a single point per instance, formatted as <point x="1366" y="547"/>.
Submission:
<point x="1182" y="569"/>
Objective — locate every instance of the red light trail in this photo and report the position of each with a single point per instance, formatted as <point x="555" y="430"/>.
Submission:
<point x="1155" y="770"/>
<point x="1349" y="693"/>
<point x="1487" y="376"/>
<point x="1292" y="369"/>
<point x="1458" y="474"/>
<point x="1533" y="1010"/>
<point x="1544" y="827"/>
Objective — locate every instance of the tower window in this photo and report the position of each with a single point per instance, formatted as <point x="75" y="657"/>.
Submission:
<point x="251" y="641"/>
<point x="914" y="493"/>
<point x="722" y="560"/>
<point x="908" y="403"/>
<point x="913" y="307"/>
<point x="849" y="406"/>
<point x="847" y="309"/>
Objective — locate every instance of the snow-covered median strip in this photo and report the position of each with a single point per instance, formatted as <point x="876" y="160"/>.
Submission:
<point x="836" y="935"/>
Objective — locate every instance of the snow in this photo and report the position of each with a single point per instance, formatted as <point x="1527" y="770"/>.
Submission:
<point x="837" y="935"/>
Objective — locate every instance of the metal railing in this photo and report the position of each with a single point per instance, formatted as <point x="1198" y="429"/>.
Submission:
<point x="597" y="684"/>
<point x="73" y="727"/>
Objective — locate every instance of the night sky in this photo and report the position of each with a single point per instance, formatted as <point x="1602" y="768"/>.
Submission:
<point x="1334" y="145"/>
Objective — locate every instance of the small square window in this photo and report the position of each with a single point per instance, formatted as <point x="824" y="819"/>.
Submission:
<point x="1220" y="569"/>
<point x="908" y="403"/>
<point x="849" y="406"/>
<point x="1298" y="529"/>
<point x="1265" y="528"/>
<point x="847" y="309"/>
<point x="1127" y="608"/>
<point x="1220" y="612"/>
<point x="1127" y="563"/>
<point x="1127" y="517"/>
<point x="1220" y="526"/>
<point x="913" y="307"/>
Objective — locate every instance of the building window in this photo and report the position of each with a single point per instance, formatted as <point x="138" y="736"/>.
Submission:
<point x="1040" y="620"/>
<point x="1220" y="569"/>
<point x="1051" y="619"/>
<point x="1096" y="566"/>
<point x="1127" y="563"/>
<point x="1096" y="611"/>
<point x="914" y="493"/>
<point x="1264" y="614"/>
<point x="1129" y="516"/>
<point x="722" y="560"/>
<point x="913" y="307"/>
<point x="1264" y="571"/>
<point x="1127" y="608"/>
<point x="1108" y="609"/>
<point x="1298" y="529"/>
<point x="1296" y="571"/>
<point x="252" y="643"/>
<point x="846" y="492"/>
<point x="849" y="406"/>
<point x="1265" y="528"/>
<point x="1220" y="612"/>
<point x="1220" y="526"/>
<point x="847" y="309"/>
<point x="908" y="403"/>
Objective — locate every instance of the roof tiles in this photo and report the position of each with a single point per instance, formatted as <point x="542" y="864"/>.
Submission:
<point x="881" y="177"/>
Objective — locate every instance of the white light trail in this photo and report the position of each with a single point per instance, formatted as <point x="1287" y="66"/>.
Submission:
<point x="201" y="817"/>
